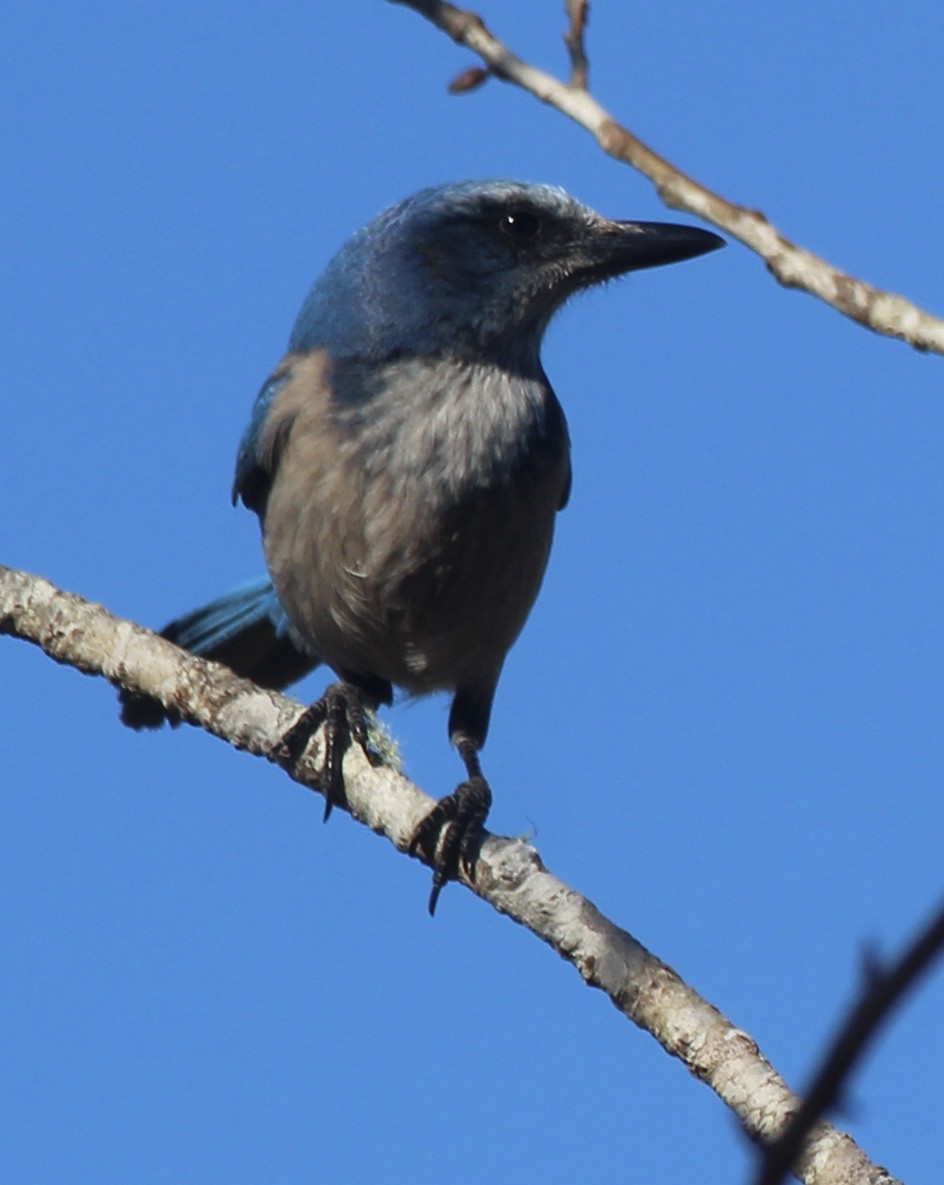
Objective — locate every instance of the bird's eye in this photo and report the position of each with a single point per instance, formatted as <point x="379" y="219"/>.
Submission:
<point x="521" y="225"/>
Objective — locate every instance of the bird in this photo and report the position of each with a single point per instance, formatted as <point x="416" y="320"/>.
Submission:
<point x="406" y="460"/>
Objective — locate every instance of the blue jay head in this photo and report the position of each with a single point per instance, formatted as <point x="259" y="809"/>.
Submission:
<point x="476" y="268"/>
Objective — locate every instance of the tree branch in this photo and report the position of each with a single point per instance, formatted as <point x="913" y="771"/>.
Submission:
<point x="577" y="15"/>
<point x="509" y="873"/>
<point x="883" y="992"/>
<point x="795" y="267"/>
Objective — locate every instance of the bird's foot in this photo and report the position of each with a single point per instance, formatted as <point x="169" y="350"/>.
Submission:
<point x="450" y="836"/>
<point x="342" y="712"/>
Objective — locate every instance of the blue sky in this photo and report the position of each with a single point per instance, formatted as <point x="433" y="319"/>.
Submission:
<point x="723" y="719"/>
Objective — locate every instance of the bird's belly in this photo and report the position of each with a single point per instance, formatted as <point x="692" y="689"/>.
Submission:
<point x="454" y="617"/>
<point x="428" y="599"/>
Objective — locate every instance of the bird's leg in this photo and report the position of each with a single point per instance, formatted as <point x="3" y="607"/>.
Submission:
<point x="342" y="712"/>
<point x="450" y="836"/>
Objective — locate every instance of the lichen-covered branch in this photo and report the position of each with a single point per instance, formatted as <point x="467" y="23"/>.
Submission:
<point x="509" y="873"/>
<point x="795" y="267"/>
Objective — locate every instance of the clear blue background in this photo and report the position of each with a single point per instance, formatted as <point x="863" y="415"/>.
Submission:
<point x="724" y="718"/>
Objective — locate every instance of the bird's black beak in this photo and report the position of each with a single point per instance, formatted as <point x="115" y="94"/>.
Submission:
<point x="629" y="246"/>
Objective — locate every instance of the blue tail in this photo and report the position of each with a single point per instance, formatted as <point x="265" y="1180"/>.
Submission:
<point x="247" y="630"/>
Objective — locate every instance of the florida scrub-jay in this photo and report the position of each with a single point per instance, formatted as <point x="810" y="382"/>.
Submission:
<point x="406" y="460"/>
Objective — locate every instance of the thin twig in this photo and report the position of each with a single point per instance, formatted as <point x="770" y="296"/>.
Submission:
<point x="883" y="992"/>
<point x="795" y="267"/>
<point x="509" y="874"/>
<point x="578" y="14"/>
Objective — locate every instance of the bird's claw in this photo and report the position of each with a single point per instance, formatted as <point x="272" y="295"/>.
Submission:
<point x="341" y="711"/>
<point x="450" y="836"/>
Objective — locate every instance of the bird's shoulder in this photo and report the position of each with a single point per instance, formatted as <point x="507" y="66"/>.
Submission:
<point x="300" y="384"/>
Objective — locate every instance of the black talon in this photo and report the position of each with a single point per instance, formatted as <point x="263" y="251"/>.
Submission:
<point x="450" y="836"/>
<point x="295" y="740"/>
<point x="341" y="711"/>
